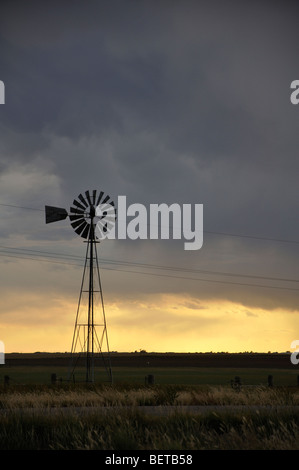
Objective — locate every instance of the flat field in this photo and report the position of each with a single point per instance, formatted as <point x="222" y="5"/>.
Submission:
<point x="168" y="368"/>
<point x="191" y="405"/>
<point x="22" y="375"/>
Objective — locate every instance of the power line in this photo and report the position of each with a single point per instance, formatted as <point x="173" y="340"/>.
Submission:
<point x="169" y="276"/>
<point x="207" y="280"/>
<point x="152" y="266"/>
<point x="39" y="259"/>
<point x="40" y="251"/>
<point x="172" y="268"/>
<point x="22" y="207"/>
<point x="164" y="268"/>
<point x="253" y="237"/>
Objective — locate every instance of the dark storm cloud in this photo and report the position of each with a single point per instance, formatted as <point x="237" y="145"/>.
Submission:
<point x="164" y="102"/>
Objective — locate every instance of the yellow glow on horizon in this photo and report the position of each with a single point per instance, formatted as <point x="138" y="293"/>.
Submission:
<point x="157" y="323"/>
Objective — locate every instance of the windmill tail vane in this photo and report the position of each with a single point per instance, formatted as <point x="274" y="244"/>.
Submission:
<point x="54" y="214"/>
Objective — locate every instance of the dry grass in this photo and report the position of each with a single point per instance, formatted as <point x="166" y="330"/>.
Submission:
<point x="127" y="428"/>
<point x="262" y="396"/>
<point x="164" y="395"/>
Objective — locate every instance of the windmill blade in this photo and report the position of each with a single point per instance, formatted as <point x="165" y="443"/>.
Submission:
<point x="78" y="222"/>
<point x="85" y="233"/>
<point x="75" y="217"/>
<point x="82" y="200"/>
<point x="81" y="227"/>
<point x="76" y="203"/>
<point x="106" y="199"/>
<point x="88" y="197"/>
<point x="77" y="211"/>
<point x="100" y="197"/>
<point x="54" y="214"/>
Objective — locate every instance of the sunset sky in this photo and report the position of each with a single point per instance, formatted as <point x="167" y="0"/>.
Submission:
<point x="182" y="102"/>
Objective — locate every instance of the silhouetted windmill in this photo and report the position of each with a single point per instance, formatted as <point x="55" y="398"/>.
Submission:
<point x="91" y="215"/>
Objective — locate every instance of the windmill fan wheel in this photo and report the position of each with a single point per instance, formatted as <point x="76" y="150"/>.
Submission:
<point x="91" y="211"/>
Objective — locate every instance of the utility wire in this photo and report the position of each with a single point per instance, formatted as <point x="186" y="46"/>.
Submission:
<point x="253" y="237"/>
<point x="149" y="266"/>
<point x="174" y="277"/>
<point x="39" y="259"/>
<point x="207" y="280"/>
<point x="40" y="251"/>
<point x="22" y="207"/>
<point x="170" y="276"/>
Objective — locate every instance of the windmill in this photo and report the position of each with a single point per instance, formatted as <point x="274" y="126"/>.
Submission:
<point x="91" y="216"/>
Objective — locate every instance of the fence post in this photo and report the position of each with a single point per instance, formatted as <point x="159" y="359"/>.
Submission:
<point x="270" y="380"/>
<point x="149" y="380"/>
<point x="236" y="384"/>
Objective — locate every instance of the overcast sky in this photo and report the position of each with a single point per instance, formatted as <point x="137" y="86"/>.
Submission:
<point x="172" y="101"/>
